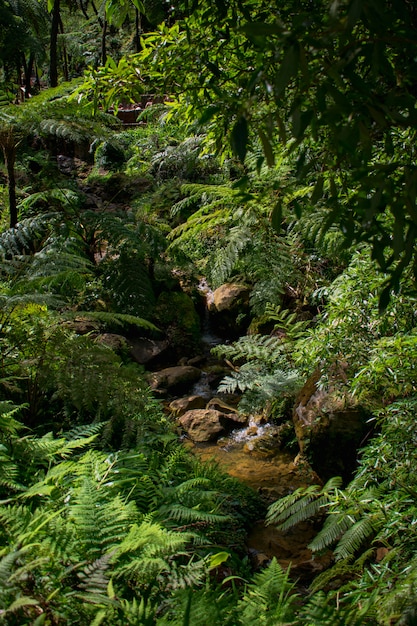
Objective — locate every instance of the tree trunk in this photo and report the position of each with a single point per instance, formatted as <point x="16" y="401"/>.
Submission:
<point x="53" y="54"/>
<point x="65" y="55"/>
<point x="28" y="75"/>
<point x="138" y="30"/>
<point x="9" y="152"/>
<point x="103" y="43"/>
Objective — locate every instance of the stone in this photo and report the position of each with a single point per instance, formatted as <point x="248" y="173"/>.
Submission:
<point x="330" y="428"/>
<point x="208" y="424"/>
<point x="144" y="350"/>
<point x="82" y="326"/>
<point x="182" y="405"/>
<point x="229" y="310"/>
<point x="229" y="296"/>
<point x="219" y="405"/>
<point x="202" y="424"/>
<point x="112" y="340"/>
<point x="177" y="378"/>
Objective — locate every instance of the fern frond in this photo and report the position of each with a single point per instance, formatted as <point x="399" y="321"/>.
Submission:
<point x="101" y="523"/>
<point x="119" y="319"/>
<point x="20" y="239"/>
<point x="290" y="510"/>
<point x="186" y="515"/>
<point x="94" y="581"/>
<point x="335" y="526"/>
<point x="355" y="536"/>
<point x="250" y="347"/>
<point x="239" y="238"/>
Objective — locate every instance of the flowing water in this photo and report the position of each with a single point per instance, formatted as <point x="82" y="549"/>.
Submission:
<point x="273" y="473"/>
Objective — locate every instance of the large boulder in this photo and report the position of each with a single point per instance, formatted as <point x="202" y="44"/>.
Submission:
<point x="174" y="379"/>
<point x="182" y="405"/>
<point x="330" y="429"/>
<point x="203" y="425"/>
<point x="148" y="351"/>
<point x="229" y="309"/>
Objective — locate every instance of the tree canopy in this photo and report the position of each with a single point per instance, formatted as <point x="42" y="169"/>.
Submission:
<point x="332" y="86"/>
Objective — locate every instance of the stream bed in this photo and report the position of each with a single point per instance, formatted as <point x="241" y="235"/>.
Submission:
<point x="272" y="477"/>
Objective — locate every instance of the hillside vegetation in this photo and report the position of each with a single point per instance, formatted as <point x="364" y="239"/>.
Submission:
<point x="270" y="150"/>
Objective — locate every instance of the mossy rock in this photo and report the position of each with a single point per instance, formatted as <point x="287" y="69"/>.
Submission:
<point x="176" y="315"/>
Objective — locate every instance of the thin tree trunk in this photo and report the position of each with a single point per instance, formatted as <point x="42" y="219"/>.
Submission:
<point x="138" y="29"/>
<point x="84" y="10"/>
<point x="9" y="152"/>
<point x="103" y="43"/>
<point x="28" y="75"/>
<point x="66" y="74"/>
<point x="100" y="21"/>
<point x="53" y="54"/>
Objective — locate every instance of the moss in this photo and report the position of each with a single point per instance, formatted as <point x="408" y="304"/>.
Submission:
<point x="177" y="317"/>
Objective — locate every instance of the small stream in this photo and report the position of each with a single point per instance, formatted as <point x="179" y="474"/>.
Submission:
<point x="252" y="454"/>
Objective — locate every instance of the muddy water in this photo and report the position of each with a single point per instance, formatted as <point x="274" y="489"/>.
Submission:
<point x="273" y="477"/>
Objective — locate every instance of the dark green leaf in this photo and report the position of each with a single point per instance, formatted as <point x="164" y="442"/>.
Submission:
<point x="208" y="114"/>
<point x="276" y="217"/>
<point x="318" y="190"/>
<point x="256" y="29"/>
<point x="239" y="138"/>
<point x="287" y="70"/>
<point x="266" y="144"/>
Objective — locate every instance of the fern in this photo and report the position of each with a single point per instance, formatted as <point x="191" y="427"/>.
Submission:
<point x="94" y="581"/>
<point x="269" y="597"/>
<point x="227" y="258"/>
<point x="334" y="527"/>
<point x="354" y="537"/>
<point x="302" y="504"/>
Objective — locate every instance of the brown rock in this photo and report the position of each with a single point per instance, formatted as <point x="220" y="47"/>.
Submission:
<point x="182" y="405"/>
<point x="175" y="378"/>
<point x="145" y="350"/>
<point x="228" y="296"/>
<point x="202" y="424"/>
<point x="329" y="428"/>
<point x="219" y="405"/>
<point x="112" y="340"/>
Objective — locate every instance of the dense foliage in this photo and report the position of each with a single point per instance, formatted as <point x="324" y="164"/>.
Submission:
<point x="279" y="154"/>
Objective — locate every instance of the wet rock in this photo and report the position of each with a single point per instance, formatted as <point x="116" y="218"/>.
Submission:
<point x="208" y="424"/>
<point x="220" y="405"/>
<point x="182" y="405"/>
<point x="178" y="378"/>
<point x="113" y="341"/>
<point x="202" y="424"/>
<point x="147" y="351"/>
<point x="290" y="548"/>
<point x="229" y="296"/>
<point x="229" y="309"/>
<point x="265" y="444"/>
